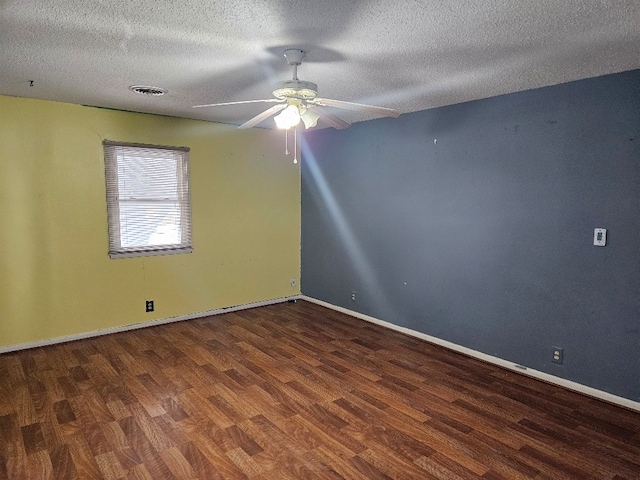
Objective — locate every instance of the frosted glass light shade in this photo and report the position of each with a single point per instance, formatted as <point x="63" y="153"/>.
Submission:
<point x="310" y="119"/>
<point x="289" y="117"/>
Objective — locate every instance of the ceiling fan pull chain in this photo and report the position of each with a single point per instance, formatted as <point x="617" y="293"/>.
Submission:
<point x="286" y="142"/>
<point x="295" y="144"/>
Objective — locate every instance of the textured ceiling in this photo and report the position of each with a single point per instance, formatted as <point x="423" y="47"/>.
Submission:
<point x="410" y="55"/>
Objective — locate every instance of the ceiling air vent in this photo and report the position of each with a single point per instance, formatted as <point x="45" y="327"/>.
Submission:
<point x="146" y="90"/>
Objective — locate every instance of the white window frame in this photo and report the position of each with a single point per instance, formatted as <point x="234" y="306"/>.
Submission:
<point x="115" y="154"/>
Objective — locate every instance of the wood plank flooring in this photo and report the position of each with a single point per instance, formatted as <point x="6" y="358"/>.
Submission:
<point x="294" y="391"/>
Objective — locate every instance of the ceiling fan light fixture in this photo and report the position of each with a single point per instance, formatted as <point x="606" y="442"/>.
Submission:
<point x="288" y="118"/>
<point x="310" y="119"/>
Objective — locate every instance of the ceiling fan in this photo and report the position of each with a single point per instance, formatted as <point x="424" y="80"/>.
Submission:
<point x="297" y="100"/>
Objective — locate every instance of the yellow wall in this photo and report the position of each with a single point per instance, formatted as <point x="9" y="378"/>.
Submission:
<point x="56" y="278"/>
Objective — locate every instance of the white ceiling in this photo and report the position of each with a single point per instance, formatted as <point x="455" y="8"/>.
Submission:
<point x="408" y="55"/>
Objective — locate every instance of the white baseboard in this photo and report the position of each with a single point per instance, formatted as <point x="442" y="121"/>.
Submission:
<point x="135" y="326"/>
<point x="577" y="387"/>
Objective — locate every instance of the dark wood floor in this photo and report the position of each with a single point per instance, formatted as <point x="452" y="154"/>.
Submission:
<point x="294" y="391"/>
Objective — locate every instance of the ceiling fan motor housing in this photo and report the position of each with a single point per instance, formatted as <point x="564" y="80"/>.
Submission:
<point x="296" y="89"/>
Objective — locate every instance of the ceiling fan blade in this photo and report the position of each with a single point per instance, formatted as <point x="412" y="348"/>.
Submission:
<point x="327" y="102"/>
<point x="330" y="119"/>
<point x="268" y="100"/>
<point x="263" y="116"/>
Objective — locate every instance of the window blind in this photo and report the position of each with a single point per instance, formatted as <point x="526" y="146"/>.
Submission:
<point x="148" y="201"/>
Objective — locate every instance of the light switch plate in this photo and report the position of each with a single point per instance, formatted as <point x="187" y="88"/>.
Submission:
<point x="599" y="237"/>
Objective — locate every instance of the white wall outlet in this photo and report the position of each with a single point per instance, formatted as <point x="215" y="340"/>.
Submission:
<point x="599" y="237"/>
<point x="293" y="282"/>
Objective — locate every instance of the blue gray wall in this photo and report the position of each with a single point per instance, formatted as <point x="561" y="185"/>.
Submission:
<point x="474" y="223"/>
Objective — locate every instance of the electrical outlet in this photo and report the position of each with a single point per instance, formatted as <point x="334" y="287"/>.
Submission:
<point x="293" y="282"/>
<point x="600" y="237"/>
<point x="149" y="305"/>
<point x="353" y="296"/>
<point x="557" y="355"/>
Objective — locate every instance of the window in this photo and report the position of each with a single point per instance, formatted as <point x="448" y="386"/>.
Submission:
<point x="148" y="204"/>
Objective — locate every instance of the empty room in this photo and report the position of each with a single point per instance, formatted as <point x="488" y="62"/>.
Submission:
<point x="319" y="240"/>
